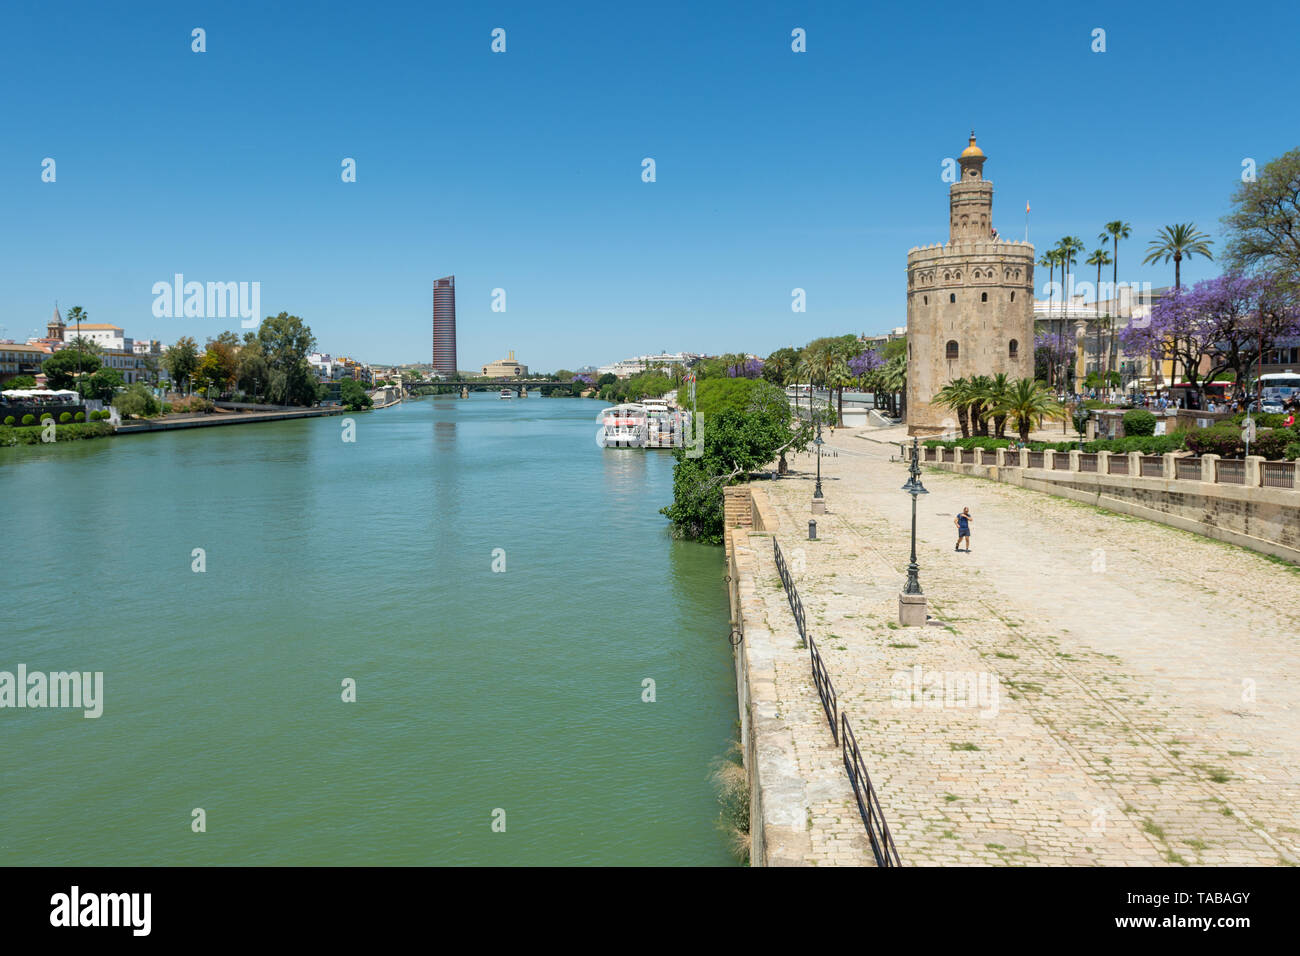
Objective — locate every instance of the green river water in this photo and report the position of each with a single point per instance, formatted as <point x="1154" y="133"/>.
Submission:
<point x="325" y="560"/>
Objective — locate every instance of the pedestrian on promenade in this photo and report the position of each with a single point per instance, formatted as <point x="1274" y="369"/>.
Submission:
<point x="962" y="521"/>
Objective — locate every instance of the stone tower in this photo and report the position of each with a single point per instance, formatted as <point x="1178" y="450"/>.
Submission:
<point x="55" y="328"/>
<point x="970" y="302"/>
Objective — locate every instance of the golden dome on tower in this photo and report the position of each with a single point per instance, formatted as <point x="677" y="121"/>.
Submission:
<point x="972" y="150"/>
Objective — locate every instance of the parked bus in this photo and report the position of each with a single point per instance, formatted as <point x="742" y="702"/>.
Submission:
<point x="1184" y="395"/>
<point x="1277" y="388"/>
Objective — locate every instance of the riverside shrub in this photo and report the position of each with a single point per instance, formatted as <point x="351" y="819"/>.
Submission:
<point x="65" y="417"/>
<point x="80" y="417"/>
<point x="29" y="419"/>
<point x="31" y="435"/>
<point x="1139" y="422"/>
<point x="1225" y="441"/>
<point x="9" y="420"/>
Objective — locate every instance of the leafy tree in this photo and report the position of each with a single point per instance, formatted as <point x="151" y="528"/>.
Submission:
<point x="353" y="395"/>
<point x="136" y="402"/>
<point x="736" y="442"/>
<point x="1264" y="224"/>
<point x="219" y="366"/>
<point x="21" y="381"/>
<point x="181" y="360"/>
<point x="63" y="367"/>
<point x="286" y="342"/>
<point x="102" y="385"/>
<point x="776" y="368"/>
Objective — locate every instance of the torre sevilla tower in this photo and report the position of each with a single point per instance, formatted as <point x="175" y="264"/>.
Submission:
<point x="970" y="302"/>
<point x="444" y="326"/>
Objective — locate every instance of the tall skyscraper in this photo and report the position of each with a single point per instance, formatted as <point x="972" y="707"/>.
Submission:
<point x="444" y="326"/>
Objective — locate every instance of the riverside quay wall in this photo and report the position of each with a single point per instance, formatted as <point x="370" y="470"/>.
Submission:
<point x="1252" y="503"/>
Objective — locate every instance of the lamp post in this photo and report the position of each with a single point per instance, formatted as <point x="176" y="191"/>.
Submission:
<point x="914" y="488"/>
<point x="817" y="492"/>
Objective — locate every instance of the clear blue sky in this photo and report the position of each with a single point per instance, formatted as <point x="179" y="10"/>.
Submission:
<point x="523" y="170"/>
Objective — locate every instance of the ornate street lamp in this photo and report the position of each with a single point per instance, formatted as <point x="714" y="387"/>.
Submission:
<point x="914" y="488"/>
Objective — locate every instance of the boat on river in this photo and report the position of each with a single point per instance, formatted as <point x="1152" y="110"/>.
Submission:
<point x="507" y="393"/>
<point x="651" y="423"/>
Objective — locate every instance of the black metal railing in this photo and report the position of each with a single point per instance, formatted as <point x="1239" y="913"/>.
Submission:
<point x="1278" y="474"/>
<point x="791" y="592"/>
<point x="1230" y="472"/>
<point x="873" y="817"/>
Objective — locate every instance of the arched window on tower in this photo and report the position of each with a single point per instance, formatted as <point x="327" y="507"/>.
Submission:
<point x="952" y="296"/>
<point x="950" y="350"/>
<point x="1013" y="296"/>
<point x="927" y="299"/>
<point x="984" y="296"/>
<point x="1013" y="349"/>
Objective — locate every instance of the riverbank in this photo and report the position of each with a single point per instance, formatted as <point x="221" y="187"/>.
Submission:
<point x="229" y="418"/>
<point x="1099" y="732"/>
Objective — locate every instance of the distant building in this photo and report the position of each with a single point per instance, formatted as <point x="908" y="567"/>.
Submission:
<point x="634" y="366"/>
<point x="878" y="341"/>
<point x="21" y="359"/>
<point x="444" y="326"/>
<point x="506" y="368"/>
<point x="110" y="337"/>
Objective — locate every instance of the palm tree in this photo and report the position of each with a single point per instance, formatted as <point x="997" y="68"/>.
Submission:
<point x="1179" y="241"/>
<point x="957" y="396"/>
<point x="1070" y="247"/>
<point x="1115" y="230"/>
<point x="980" y="404"/>
<point x="803" y="371"/>
<point x="999" y="389"/>
<point x="1100" y="257"/>
<point x="1026" y="401"/>
<point x="78" y="315"/>
<point x="832" y="369"/>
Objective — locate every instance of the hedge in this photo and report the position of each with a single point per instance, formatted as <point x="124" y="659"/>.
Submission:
<point x="32" y="435"/>
<point x="1225" y="441"/>
<point x="9" y="420"/>
<point x="29" y="419"/>
<point x="65" y="417"/>
<point x="1139" y="422"/>
<point x="80" y="416"/>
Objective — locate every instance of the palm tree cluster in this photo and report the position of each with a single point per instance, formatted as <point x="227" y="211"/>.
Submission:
<point x="987" y="402"/>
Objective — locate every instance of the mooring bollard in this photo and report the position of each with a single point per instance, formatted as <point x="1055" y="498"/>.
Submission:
<point x="812" y="530"/>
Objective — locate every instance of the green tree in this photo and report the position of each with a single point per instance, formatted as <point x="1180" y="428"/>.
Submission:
<point x="1115" y="230"/>
<point x="136" y="402"/>
<point x="21" y="381"/>
<point x="102" y="384"/>
<point x="1178" y="242"/>
<point x="353" y="395"/>
<point x="181" y="360"/>
<point x="286" y="342"/>
<point x="957" y="395"/>
<point x="1027" y="401"/>
<point x="778" y="365"/>
<point x="63" y="368"/>
<point x="1264" y="224"/>
<point x="1098" y="258"/>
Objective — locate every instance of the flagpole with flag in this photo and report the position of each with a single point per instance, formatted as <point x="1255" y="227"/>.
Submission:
<point x="1026" y="221"/>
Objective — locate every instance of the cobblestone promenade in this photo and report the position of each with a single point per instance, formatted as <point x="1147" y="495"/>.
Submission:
<point x="1147" y="706"/>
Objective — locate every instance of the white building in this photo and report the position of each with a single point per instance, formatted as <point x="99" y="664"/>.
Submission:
<point x="109" y="337"/>
<point x="634" y="366"/>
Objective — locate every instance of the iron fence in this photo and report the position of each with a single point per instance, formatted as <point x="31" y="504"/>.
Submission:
<point x="873" y="817"/>
<point x="1061" y="461"/>
<point x="825" y="689"/>
<point x="1230" y="472"/>
<point x="1035" y="459"/>
<point x="791" y="592"/>
<point x="1119" y="464"/>
<point x="1278" y="474"/>
<point x="1088" y="461"/>
<point x="1153" y="466"/>
<point x="1188" y="469"/>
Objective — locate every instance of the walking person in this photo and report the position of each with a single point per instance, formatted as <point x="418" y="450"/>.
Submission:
<point x="962" y="521"/>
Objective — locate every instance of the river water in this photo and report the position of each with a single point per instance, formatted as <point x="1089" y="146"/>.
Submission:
<point x="483" y="696"/>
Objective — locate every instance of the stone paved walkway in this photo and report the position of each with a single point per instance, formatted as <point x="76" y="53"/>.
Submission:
<point x="1148" y="680"/>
